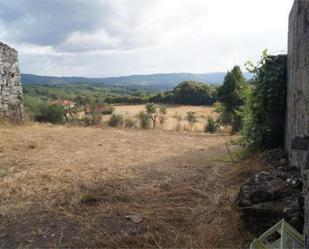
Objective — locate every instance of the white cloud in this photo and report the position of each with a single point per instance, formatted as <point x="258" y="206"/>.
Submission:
<point x="116" y="37"/>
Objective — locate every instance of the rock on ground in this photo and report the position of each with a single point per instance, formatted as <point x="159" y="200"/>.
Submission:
<point x="272" y="195"/>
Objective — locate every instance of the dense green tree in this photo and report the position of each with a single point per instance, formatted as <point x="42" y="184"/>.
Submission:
<point x="231" y="95"/>
<point x="193" y="93"/>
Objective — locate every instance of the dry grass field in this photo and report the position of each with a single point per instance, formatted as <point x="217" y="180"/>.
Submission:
<point x="116" y="188"/>
<point x="174" y="112"/>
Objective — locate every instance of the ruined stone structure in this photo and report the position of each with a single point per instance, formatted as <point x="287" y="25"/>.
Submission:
<point x="297" y="127"/>
<point x="11" y="94"/>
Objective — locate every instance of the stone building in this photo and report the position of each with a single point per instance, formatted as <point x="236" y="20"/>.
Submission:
<point x="297" y="127"/>
<point x="11" y="95"/>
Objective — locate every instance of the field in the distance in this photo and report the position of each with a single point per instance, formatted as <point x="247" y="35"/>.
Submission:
<point x="173" y="113"/>
<point x="74" y="187"/>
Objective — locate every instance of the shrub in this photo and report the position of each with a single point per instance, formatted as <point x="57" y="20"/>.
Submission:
<point x="116" y="120"/>
<point x="33" y="106"/>
<point x="41" y="111"/>
<point x="191" y="118"/>
<point x="145" y="119"/>
<point x="211" y="126"/>
<point x="129" y="122"/>
<point x="92" y="119"/>
<point x="51" y="113"/>
<point x="87" y="120"/>
<point x="96" y="118"/>
<point x="151" y="108"/>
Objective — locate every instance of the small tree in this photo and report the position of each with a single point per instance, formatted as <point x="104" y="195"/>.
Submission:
<point x="211" y="125"/>
<point x="191" y="118"/>
<point x="151" y="109"/>
<point x="162" y="113"/>
<point x="231" y="95"/>
<point x="145" y="119"/>
<point x="156" y="112"/>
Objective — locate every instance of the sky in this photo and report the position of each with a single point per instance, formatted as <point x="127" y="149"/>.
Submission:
<point x="99" y="38"/>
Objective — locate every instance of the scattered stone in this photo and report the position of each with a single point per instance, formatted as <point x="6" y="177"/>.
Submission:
<point x="134" y="218"/>
<point x="272" y="195"/>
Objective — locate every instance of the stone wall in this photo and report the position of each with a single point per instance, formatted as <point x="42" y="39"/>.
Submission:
<point x="297" y="127"/>
<point x="11" y="95"/>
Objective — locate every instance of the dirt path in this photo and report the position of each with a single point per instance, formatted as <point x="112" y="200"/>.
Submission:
<point x="74" y="187"/>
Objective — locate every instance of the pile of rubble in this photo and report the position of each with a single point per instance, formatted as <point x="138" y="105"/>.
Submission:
<point x="272" y="195"/>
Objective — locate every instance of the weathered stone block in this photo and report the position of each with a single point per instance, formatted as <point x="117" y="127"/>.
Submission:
<point x="300" y="143"/>
<point x="11" y="94"/>
<point x="297" y="125"/>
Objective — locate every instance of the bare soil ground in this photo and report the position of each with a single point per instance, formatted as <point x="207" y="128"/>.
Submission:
<point x="73" y="187"/>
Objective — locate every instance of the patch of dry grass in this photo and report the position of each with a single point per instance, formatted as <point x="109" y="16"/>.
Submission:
<point x="173" y="113"/>
<point x="64" y="187"/>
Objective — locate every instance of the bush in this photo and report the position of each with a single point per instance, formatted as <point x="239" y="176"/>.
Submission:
<point x="96" y="118"/>
<point x="191" y="118"/>
<point x="51" y="113"/>
<point x="211" y="126"/>
<point x="41" y="111"/>
<point x="87" y="120"/>
<point x="116" y="120"/>
<point x="129" y="122"/>
<point x="151" y="108"/>
<point x="145" y="119"/>
<point x="33" y="106"/>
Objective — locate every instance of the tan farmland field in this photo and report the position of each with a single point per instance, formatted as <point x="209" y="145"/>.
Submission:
<point x="173" y="112"/>
<point x="117" y="188"/>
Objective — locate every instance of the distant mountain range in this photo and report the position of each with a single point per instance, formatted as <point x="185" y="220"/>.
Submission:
<point x="157" y="81"/>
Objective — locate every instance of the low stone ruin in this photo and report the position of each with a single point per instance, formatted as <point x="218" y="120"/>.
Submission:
<point x="11" y="94"/>
<point x="272" y="194"/>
